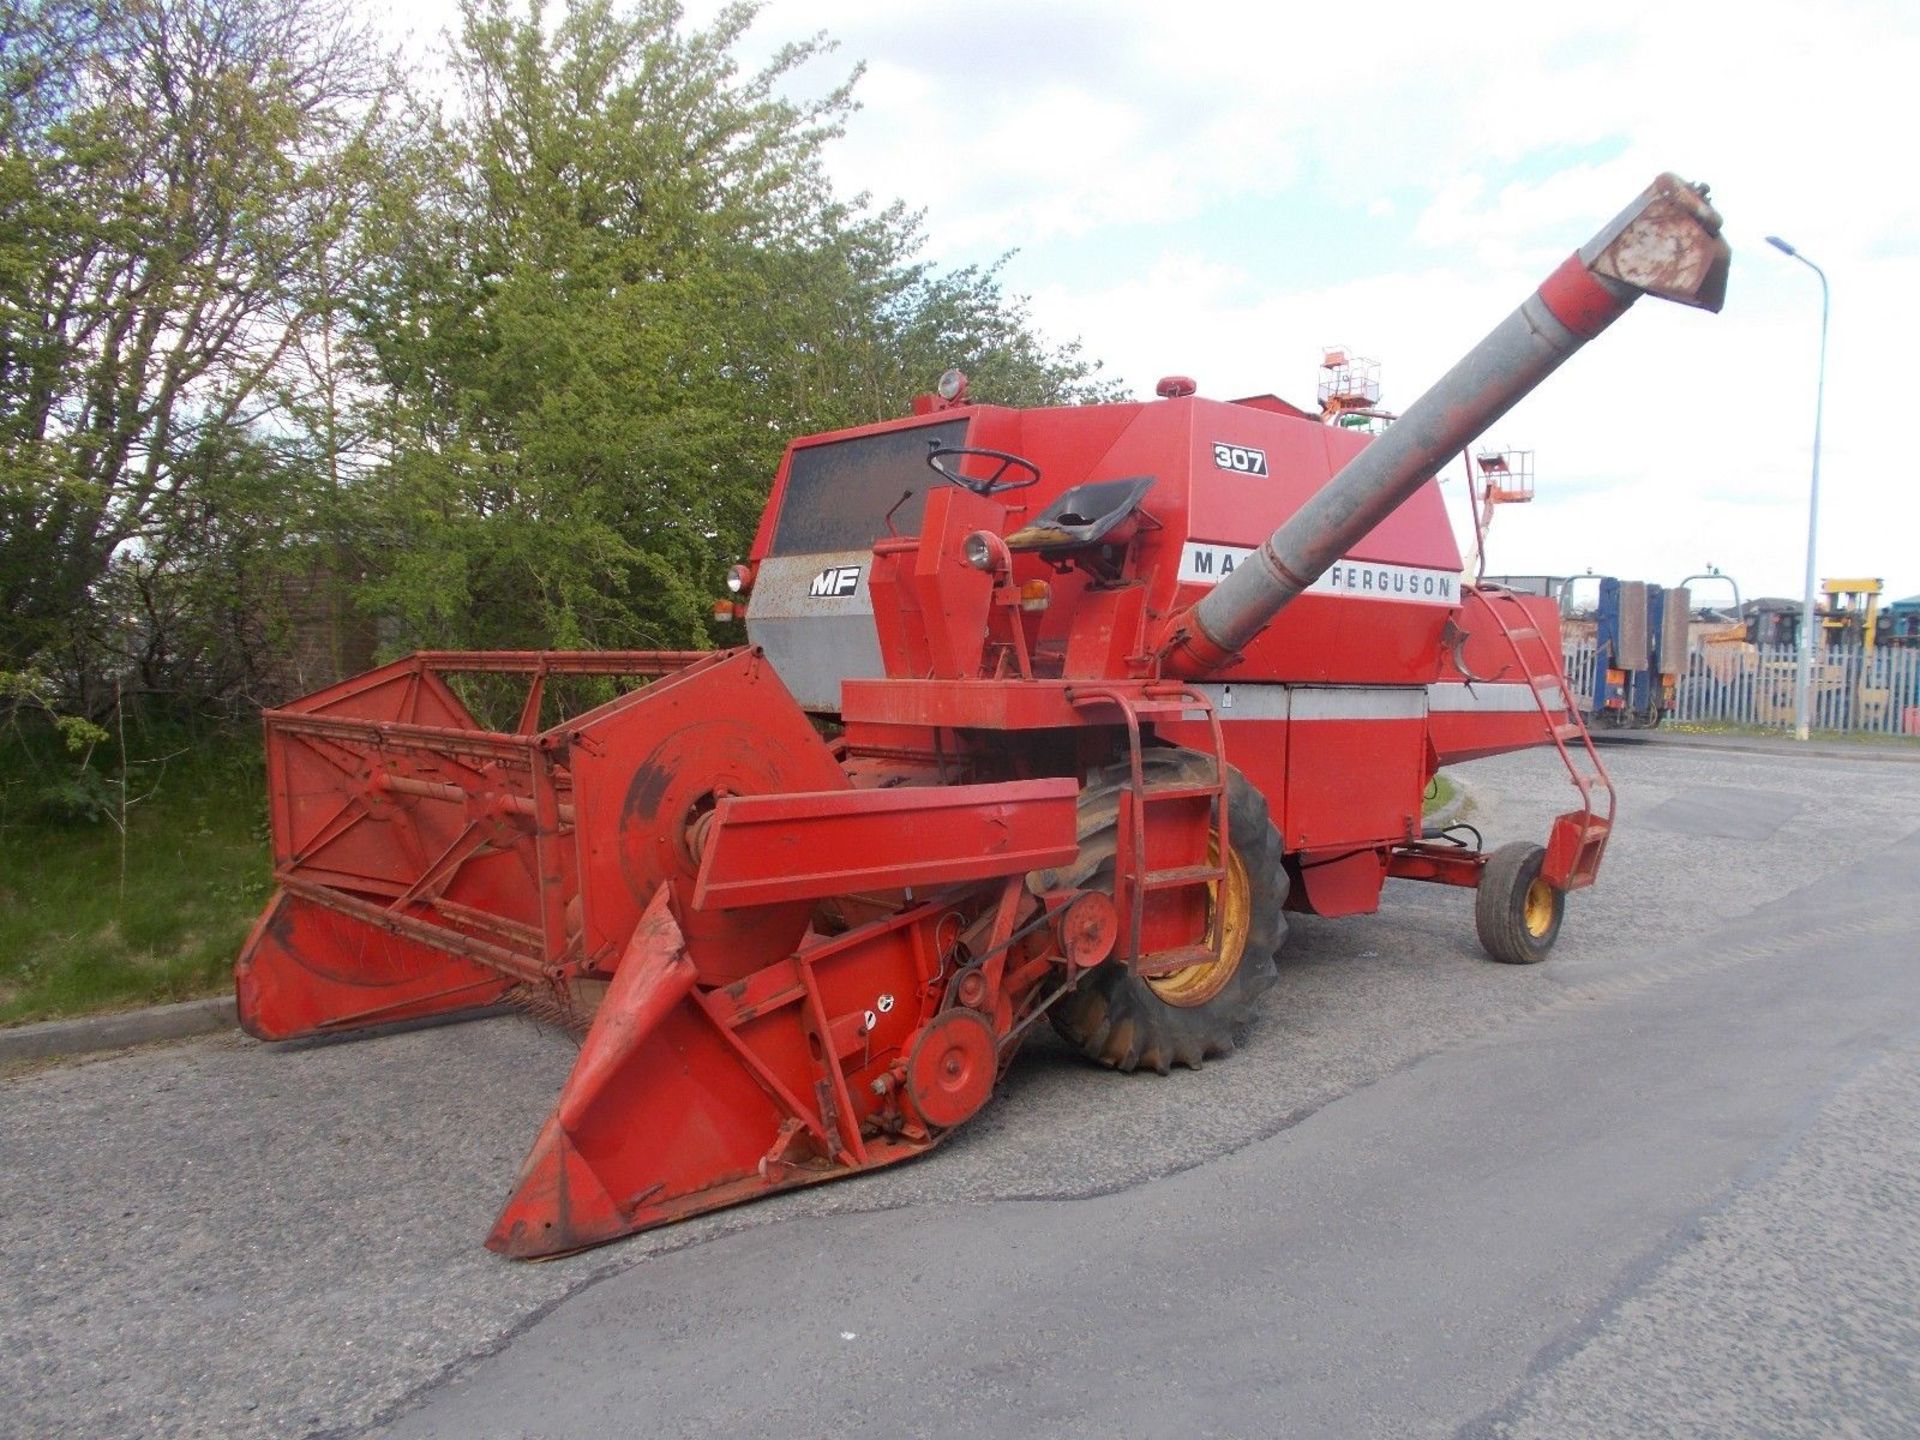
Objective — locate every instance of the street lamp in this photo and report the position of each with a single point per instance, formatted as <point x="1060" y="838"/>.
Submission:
<point x="1803" y="686"/>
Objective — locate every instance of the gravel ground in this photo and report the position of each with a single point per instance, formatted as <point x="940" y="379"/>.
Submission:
<point x="225" y="1237"/>
<point x="1735" y="1333"/>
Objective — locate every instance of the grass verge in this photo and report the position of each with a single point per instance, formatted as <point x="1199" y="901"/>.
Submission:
<point x="1440" y="793"/>
<point x="1776" y="732"/>
<point x="76" y="937"/>
<point x="79" y="934"/>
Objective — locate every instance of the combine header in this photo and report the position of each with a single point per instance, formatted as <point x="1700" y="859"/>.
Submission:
<point x="1041" y="713"/>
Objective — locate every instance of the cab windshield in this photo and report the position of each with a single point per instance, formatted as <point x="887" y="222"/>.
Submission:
<point x="839" y="493"/>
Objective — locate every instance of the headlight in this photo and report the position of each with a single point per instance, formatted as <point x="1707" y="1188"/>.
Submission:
<point x="740" y="579"/>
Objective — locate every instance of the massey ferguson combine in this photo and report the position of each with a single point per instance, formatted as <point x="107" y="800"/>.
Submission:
<point x="1041" y="714"/>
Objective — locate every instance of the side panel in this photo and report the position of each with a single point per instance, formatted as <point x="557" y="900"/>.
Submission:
<point x="1471" y="722"/>
<point x="1339" y="765"/>
<point x="767" y="849"/>
<point x="307" y="970"/>
<point x="1341" y="883"/>
<point x="813" y="616"/>
<point x="1357" y="766"/>
<point x="1327" y="640"/>
<point x="1482" y="704"/>
<point x="1226" y="476"/>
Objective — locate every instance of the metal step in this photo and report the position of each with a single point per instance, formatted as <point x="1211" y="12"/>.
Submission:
<point x="1145" y="707"/>
<point x="1182" y="875"/>
<point x="1167" y="962"/>
<point x="1180" y="792"/>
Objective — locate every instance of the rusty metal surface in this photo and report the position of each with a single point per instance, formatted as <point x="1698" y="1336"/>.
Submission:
<point x="1676" y="618"/>
<point x="1633" y="653"/>
<point x="1667" y="243"/>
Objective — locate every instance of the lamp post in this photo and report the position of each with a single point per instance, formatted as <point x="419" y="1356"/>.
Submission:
<point x="1803" y="685"/>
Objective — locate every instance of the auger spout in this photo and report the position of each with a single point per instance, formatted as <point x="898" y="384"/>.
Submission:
<point x="1666" y="243"/>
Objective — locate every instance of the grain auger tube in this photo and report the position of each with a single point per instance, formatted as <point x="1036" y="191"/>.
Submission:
<point x="1666" y="243"/>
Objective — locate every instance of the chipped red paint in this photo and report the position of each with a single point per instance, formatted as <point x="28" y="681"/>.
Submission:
<point x="1579" y="301"/>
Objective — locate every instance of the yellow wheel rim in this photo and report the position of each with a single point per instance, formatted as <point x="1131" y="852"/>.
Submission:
<point x="1537" y="913"/>
<point x="1198" y="984"/>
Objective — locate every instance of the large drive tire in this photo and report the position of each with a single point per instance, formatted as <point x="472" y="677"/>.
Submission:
<point x="1516" y="912"/>
<point x="1193" y="1015"/>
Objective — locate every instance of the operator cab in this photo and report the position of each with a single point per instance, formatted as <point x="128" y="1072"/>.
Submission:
<point x="811" y="610"/>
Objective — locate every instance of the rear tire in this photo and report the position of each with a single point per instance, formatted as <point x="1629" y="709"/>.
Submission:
<point x="1126" y="1022"/>
<point x="1516" y="912"/>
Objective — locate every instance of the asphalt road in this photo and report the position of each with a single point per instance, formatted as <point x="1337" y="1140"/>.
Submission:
<point x="1663" y="1185"/>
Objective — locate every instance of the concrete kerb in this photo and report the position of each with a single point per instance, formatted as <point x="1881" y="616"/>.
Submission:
<point x="1456" y="806"/>
<point x="51" y="1039"/>
<point x="91" y="1034"/>
<point x="1758" y="745"/>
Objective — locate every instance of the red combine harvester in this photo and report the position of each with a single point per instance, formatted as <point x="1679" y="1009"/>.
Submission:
<point x="1020" y="729"/>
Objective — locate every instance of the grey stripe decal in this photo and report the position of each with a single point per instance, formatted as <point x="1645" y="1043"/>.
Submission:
<point x="1317" y="702"/>
<point x="1455" y="697"/>
<point x="1391" y="702"/>
<point x="1247" y="702"/>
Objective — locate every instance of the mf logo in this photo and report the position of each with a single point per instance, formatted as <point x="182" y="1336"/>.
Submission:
<point x="836" y="581"/>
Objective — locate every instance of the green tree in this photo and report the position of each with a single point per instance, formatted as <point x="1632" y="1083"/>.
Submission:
<point x="595" y="301"/>
<point x="173" y="176"/>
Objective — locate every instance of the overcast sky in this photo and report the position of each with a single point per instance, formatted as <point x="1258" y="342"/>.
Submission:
<point x="1221" y="190"/>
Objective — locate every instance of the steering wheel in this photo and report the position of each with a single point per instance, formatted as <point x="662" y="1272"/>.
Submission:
<point x="992" y="484"/>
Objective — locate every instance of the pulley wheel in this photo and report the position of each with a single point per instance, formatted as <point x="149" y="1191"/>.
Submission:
<point x="970" y="987"/>
<point x="665" y="817"/>
<point x="1087" y="929"/>
<point x="952" y="1069"/>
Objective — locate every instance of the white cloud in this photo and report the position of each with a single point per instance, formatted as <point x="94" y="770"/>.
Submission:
<point x="1428" y="165"/>
<point x="1676" y="440"/>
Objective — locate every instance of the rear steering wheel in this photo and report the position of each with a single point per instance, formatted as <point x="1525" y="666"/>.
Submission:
<point x="992" y="484"/>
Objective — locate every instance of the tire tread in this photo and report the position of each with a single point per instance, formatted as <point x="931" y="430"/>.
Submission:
<point x="1114" y="1017"/>
<point x="1499" y="905"/>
